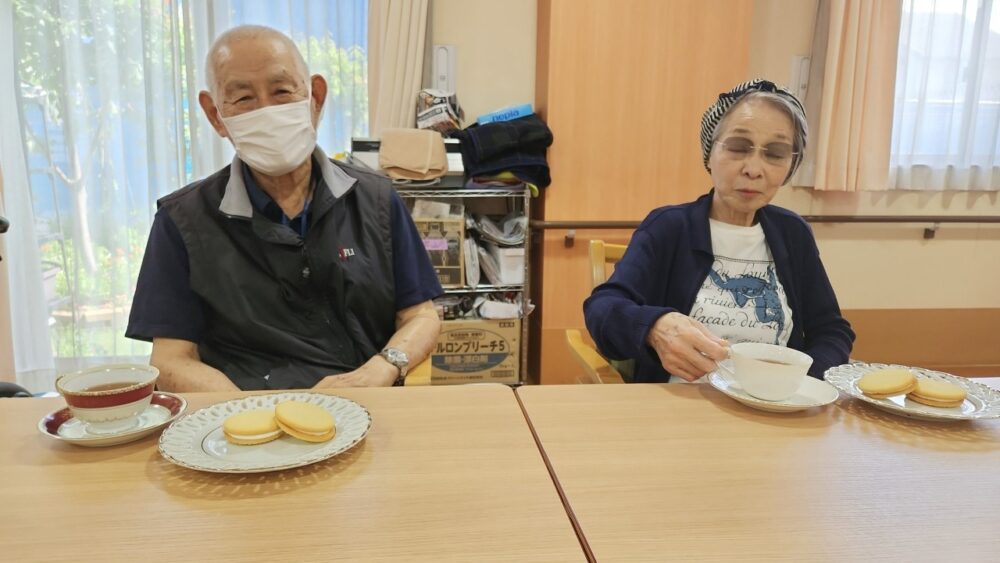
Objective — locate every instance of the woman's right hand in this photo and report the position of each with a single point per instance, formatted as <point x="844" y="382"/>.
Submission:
<point x="685" y="347"/>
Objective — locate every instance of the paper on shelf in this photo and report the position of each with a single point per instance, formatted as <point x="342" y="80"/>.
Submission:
<point x="471" y="262"/>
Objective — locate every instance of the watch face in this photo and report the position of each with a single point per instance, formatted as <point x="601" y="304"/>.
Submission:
<point x="395" y="357"/>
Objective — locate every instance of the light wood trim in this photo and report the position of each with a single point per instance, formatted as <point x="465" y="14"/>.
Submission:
<point x="682" y="472"/>
<point x="446" y="474"/>
<point x="595" y="368"/>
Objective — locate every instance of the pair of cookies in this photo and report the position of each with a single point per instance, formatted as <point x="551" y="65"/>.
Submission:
<point x="884" y="383"/>
<point x="305" y="421"/>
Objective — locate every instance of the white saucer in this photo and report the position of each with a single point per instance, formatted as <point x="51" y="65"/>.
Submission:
<point x="162" y="410"/>
<point x="812" y="393"/>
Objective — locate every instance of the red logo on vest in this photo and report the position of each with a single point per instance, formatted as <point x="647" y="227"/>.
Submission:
<point x="345" y="253"/>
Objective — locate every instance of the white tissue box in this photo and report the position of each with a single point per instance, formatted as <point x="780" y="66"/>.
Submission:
<point x="511" y="263"/>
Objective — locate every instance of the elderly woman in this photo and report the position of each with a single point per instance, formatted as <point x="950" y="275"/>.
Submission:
<point x="727" y="267"/>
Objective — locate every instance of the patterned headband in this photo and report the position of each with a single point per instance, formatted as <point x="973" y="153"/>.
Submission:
<point x="714" y="114"/>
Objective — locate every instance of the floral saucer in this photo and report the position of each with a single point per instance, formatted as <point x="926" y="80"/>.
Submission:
<point x="162" y="410"/>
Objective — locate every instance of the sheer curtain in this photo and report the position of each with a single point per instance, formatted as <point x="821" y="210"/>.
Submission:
<point x="946" y="124"/>
<point x="850" y="98"/>
<point x="106" y="122"/>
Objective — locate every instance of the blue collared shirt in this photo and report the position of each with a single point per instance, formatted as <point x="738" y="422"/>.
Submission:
<point x="267" y="206"/>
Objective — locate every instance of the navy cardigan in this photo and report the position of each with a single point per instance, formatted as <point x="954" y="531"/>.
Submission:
<point x="665" y="264"/>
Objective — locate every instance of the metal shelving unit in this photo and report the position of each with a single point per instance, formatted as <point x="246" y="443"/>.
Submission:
<point x="513" y="195"/>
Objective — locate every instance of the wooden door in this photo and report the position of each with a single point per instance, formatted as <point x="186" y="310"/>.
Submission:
<point x="622" y="84"/>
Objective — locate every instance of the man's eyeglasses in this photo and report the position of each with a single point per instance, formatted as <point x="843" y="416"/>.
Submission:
<point x="739" y="148"/>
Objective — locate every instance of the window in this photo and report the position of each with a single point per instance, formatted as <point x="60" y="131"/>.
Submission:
<point x="946" y="127"/>
<point x="107" y="103"/>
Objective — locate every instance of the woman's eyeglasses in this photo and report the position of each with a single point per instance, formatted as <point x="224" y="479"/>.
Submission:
<point x="739" y="148"/>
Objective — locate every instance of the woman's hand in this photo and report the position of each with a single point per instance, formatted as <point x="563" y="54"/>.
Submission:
<point x="685" y="347"/>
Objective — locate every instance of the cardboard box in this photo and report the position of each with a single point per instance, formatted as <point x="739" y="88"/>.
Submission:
<point x="476" y="351"/>
<point x="443" y="240"/>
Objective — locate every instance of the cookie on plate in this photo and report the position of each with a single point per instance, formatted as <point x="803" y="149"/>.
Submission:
<point x="884" y="383"/>
<point x="934" y="393"/>
<point x="249" y="428"/>
<point x="305" y="421"/>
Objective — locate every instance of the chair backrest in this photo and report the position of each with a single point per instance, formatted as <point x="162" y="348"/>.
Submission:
<point x="602" y="254"/>
<point x="596" y="368"/>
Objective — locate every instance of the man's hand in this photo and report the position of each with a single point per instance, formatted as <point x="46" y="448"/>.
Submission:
<point x="417" y="329"/>
<point x="685" y="347"/>
<point x="376" y="372"/>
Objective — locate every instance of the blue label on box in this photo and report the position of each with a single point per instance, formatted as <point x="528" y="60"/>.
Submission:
<point x="505" y="114"/>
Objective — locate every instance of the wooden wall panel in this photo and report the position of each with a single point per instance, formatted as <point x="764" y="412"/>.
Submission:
<point x="960" y="341"/>
<point x="622" y="84"/>
<point x="626" y="83"/>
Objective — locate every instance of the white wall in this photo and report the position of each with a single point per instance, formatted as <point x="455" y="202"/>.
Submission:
<point x="495" y="39"/>
<point x="781" y="29"/>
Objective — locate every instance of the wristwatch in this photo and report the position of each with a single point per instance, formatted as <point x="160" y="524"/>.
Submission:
<point x="399" y="359"/>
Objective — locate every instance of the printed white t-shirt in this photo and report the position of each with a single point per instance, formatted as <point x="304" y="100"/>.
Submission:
<point x="741" y="299"/>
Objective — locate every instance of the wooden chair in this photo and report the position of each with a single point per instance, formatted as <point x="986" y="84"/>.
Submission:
<point x="601" y="255"/>
<point x="596" y="368"/>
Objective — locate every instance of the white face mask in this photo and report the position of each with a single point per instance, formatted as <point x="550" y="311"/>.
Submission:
<point x="275" y="139"/>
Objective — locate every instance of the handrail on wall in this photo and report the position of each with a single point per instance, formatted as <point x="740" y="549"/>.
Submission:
<point x="929" y="232"/>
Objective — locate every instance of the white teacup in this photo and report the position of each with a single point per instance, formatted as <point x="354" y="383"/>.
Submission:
<point x="767" y="371"/>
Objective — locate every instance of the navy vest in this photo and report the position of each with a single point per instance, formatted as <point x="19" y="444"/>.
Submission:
<point x="282" y="312"/>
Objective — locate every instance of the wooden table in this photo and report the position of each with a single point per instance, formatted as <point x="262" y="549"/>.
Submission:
<point x="446" y="473"/>
<point x="682" y="472"/>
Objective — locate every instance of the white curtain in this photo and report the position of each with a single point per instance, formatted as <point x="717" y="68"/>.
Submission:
<point x="6" y="335"/>
<point x="105" y="122"/>
<point x="946" y="126"/>
<point x="398" y="34"/>
<point x="32" y="352"/>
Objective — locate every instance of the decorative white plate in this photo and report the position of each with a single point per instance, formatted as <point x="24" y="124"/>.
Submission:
<point x="163" y="409"/>
<point x="196" y="441"/>
<point x="982" y="402"/>
<point x="812" y="393"/>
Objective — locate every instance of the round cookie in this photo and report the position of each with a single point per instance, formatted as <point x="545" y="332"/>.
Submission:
<point x="884" y="383"/>
<point x="305" y="421"/>
<point x="934" y="393"/>
<point x="251" y="427"/>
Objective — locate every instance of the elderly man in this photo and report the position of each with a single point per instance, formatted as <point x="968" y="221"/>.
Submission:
<point x="285" y="269"/>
